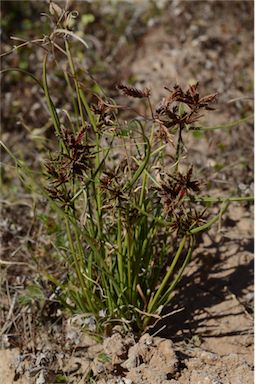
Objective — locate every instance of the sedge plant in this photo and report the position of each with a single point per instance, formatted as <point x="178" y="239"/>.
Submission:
<point x="129" y="206"/>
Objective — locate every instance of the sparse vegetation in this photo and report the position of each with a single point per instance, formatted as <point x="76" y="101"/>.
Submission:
<point x="129" y="213"/>
<point x="126" y="193"/>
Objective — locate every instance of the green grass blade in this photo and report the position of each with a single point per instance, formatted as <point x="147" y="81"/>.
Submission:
<point x="50" y="104"/>
<point x="141" y="168"/>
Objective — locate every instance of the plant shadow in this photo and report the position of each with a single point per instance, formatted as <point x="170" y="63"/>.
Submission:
<point x="213" y="276"/>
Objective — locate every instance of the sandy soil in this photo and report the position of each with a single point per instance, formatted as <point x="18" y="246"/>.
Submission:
<point x="208" y="338"/>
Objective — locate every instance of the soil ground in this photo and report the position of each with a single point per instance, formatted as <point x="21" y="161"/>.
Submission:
<point x="206" y="336"/>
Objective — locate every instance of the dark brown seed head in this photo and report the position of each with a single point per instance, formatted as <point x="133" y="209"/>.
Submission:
<point x="133" y="92"/>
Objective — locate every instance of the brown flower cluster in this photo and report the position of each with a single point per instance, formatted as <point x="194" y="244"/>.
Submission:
<point x="175" y="188"/>
<point x="168" y="111"/>
<point x="173" y="191"/>
<point x="133" y="92"/>
<point x="79" y="155"/>
<point x="168" y="114"/>
<point x="73" y="161"/>
<point x="111" y="183"/>
<point x="183" y="220"/>
<point x="106" y="114"/>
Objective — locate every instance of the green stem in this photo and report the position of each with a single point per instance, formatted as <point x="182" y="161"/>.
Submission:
<point x="52" y="109"/>
<point x="166" y="297"/>
<point x="76" y="112"/>
<point x="77" y="87"/>
<point x="119" y="256"/>
<point x="179" y="147"/>
<point x="207" y="225"/>
<point x="145" y="177"/>
<point x="76" y="263"/>
<point x="97" y="162"/>
<point x="227" y="126"/>
<point x="128" y="245"/>
<point x="204" y="199"/>
<point x="154" y="299"/>
<point x="178" y="276"/>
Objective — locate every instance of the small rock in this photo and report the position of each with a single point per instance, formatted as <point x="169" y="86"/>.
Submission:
<point x="40" y="379"/>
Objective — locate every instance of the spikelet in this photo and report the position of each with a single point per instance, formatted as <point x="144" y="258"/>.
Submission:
<point x="133" y="92"/>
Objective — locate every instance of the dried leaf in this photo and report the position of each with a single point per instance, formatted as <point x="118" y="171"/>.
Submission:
<point x="55" y="10"/>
